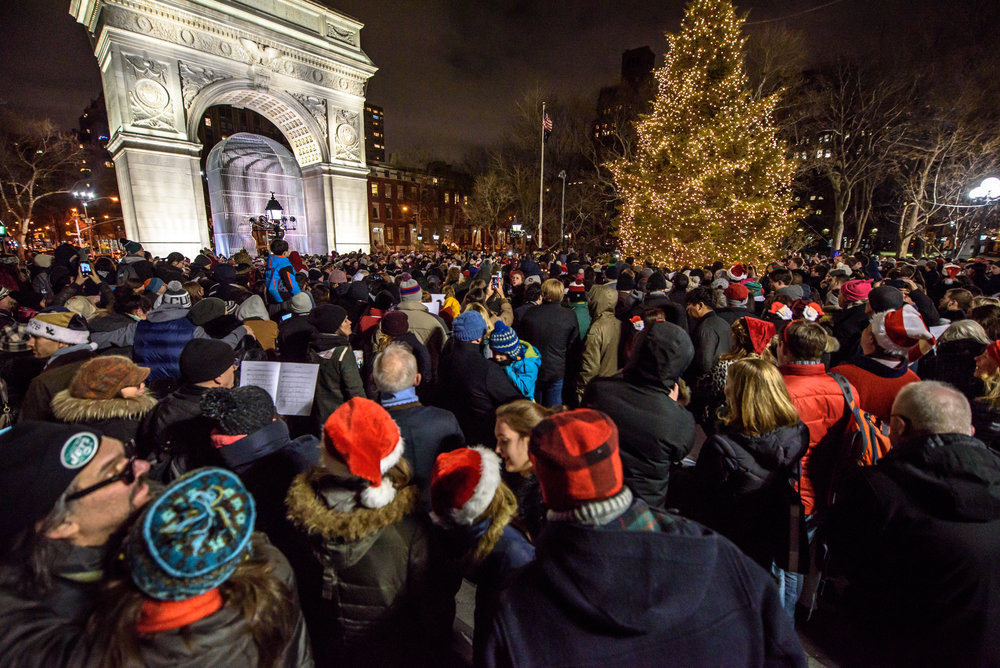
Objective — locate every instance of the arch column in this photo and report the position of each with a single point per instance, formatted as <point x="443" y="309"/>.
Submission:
<point x="163" y="202"/>
<point x="337" y="203"/>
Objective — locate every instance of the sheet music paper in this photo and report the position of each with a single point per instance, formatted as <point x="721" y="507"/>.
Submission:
<point x="291" y="385"/>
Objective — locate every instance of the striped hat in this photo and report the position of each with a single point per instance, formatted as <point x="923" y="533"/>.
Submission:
<point x="409" y="291"/>
<point x="575" y="456"/>
<point x="898" y="331"/>
<point x="504" y="340"/>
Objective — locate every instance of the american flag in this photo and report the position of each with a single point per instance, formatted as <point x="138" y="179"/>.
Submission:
<point x="547" y="125"/>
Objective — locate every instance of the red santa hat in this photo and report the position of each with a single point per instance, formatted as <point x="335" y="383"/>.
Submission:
<point x="952" y="270"/>
<point x="761" y="332"/>
<point x="780" y="310"/>
<point x="363" y="436"/>
<point x="737" y="272"/>
<point x="463" y="483"/>
<point x="810" y="311"/>
<point x="898" y="331"/>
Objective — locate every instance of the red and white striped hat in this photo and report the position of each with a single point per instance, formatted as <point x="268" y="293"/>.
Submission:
<point x="898" y="331"/>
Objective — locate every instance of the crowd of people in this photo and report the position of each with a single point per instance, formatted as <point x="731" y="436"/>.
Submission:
<point x="630" y="461"/>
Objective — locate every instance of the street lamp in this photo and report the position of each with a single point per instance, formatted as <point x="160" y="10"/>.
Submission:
<point x="562" y="210"/>
<point x="515" y="232"/>
<point x="273" y="222"/>
<point x="989" y="190"/>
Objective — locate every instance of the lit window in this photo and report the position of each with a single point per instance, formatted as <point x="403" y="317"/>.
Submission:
<point x="375" y="189"/>
<point x="465" y="200"/>
<point x="812" y="198"/>
<point x="446" y="200"/>
<point x="208" y="122"/>
<point x="819" y="153"/>
<point x="108" y="164"/>
<point x="819" y="212"/>
<point x="826" y="155"/>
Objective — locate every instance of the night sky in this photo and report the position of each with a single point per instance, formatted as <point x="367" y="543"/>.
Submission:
<point x="450" y="71"/>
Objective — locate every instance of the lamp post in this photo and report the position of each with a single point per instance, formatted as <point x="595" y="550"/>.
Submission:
<point x="515" y="231"/>
<point x="273" y="222"/>
<point x="562" y="210"/>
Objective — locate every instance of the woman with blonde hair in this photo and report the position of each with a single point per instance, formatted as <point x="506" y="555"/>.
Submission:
<point x="474" y="508"/>
<point x="751" y="338"/>
<point x="515" y="420"/>
<point x="747" y="474"/>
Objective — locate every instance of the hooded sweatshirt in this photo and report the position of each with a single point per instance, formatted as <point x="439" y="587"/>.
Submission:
<point x="654" y="430"/>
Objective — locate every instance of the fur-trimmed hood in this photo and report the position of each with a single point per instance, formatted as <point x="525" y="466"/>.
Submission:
<point x="309" y="511"/>
<point x="68" y="408"/>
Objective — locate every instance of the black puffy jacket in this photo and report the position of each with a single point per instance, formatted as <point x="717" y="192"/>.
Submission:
<point x="745" y="490"/>
<point x="654" y="431"/>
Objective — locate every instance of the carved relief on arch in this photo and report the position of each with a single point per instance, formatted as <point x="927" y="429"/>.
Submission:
<point x="194" y="78"/>
<point x="347" y="136"/>
<point x="316" y="108"/>
<point x="149" y="100"/>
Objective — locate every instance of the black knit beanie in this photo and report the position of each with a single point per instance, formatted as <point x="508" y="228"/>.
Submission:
<point x="241" y="410"/>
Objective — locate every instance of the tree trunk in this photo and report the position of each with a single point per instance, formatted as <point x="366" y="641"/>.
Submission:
<point x="906" y="230"/>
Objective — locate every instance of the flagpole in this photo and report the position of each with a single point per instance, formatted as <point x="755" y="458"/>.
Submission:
<point x="541" y="179"/>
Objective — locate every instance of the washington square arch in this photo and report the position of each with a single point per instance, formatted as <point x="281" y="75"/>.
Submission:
<point x="165" y="62"/>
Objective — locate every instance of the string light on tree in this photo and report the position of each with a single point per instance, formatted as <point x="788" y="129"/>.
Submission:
<point x="710" y="180"/>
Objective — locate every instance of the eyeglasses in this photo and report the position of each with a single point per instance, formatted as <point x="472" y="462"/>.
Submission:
<point x="127" y="476"/>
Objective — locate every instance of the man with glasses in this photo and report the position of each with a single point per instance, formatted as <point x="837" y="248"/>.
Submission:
<point x="174" y="436"/>
<point x="64" y="491"/>
<point x="919" y="539"/>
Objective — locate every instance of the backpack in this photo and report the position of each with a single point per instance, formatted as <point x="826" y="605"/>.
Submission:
<point x="869" y="435"/>
<point x="125" y="272"/>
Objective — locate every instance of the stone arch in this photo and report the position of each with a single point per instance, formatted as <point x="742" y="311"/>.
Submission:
<point x="302" y="130"/>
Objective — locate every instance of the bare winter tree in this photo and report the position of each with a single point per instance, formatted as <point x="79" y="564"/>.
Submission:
<point x="36" y="162"/>
<point x="856" y="122"/>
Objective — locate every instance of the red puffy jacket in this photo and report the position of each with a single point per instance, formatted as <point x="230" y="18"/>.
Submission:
<point x="821" y="406"/>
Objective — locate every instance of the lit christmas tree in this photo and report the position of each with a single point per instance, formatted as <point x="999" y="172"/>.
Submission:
<point x="710" y="179"/>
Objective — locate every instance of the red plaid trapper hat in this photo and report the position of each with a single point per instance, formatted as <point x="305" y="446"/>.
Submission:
<point x="575" y="456"/>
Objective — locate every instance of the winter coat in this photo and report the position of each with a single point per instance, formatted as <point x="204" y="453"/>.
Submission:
<point x="254" y="315"/>
<point x="746" y="488"/>
<point x="472" y="388"/>
<point x="35" y="635"/>
<point x="58" y="373"/>
<point x="267" y="461"/>
<point x="104" y="327"/>
<point x="821" y="406"/>
<point x="280" y="279"/>
<point x="554" y="331"/>
<point x="986" y="421"/>
<point x="339" y="379"/>
<point x="733" y="313"/>
<point x="600" y="348"/>
<point x="877" y="385"/>
<point x="583" y="319"/>
<point x="427" y="431"/>
<point x="847" y="327"/>
<point x="919" y="538"/>
<point x="363" y="573"/>
<point x="510" y="552"/>
<point x="654" y="431"/>
<point x="712" y="337"/>
<point x="524" y="372"/>
<point x="174" y="436"/>
<point x="677" y="593"/>
<point x="955" y="362"/>
<point x="531" y="510"/>
<point x="117" y="417"/>
<point x="159" y="340"/>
